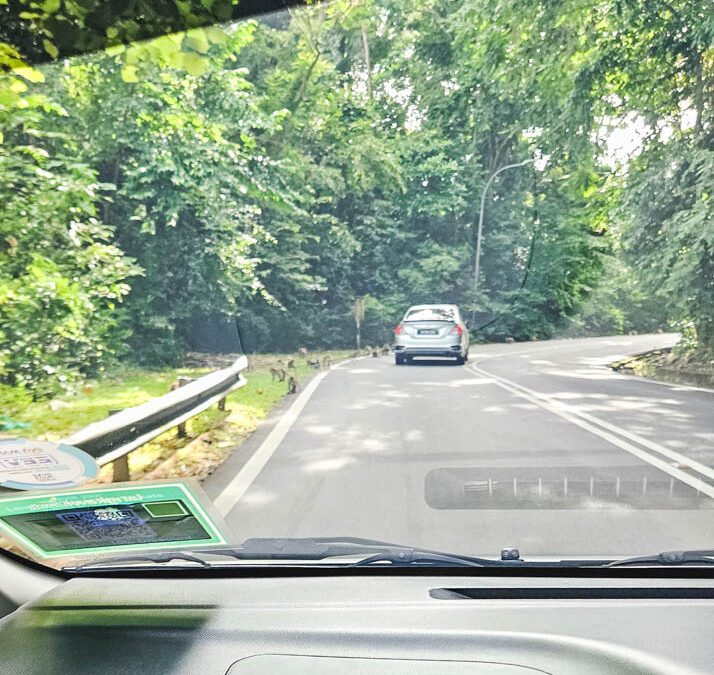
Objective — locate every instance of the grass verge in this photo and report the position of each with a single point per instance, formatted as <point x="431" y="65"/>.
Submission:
<point x="211" y="436"/>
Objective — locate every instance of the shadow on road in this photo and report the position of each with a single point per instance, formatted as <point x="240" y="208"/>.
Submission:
<point x="432" y="362"/>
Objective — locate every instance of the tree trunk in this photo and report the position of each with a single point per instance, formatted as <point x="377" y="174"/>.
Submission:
<point x="367" y="62"/>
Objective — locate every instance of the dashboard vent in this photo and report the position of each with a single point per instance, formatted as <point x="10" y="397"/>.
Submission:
<point x="571" y="593"/>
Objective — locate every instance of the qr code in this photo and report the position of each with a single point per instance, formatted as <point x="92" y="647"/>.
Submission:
<point x="122" y="526"/>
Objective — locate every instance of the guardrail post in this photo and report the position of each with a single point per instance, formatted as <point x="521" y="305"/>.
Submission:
<point x="222" y="404"/>
<point x="180" y="382"/>
<point x="121" y="469"/>
<point x="120" y="466"/>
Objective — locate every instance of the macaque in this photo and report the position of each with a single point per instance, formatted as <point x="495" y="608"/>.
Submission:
<point x="180" y="382"/>
<point x="292" y="385"/>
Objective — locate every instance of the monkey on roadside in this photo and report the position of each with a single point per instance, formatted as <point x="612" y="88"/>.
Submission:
<point x="180" y="382"/>
<point x="302" y="351"/>
<point x="274" y="374"/>
<point x="326" y="362"/>
<point x="292" y="385"/>
<point x="291" y="363"/>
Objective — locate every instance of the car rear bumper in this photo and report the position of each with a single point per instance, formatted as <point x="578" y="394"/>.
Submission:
<point x="446" y="350"/>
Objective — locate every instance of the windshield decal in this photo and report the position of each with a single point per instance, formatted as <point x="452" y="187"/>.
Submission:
<point x="27" y="464"/>
<point x="111" y="519"/>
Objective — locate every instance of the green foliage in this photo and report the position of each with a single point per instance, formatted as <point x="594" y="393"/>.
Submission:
<point x="670" y="236"/>
<point x="278" y="169"/>
<point x="60" y="275"/>
<point x="13" y="400"/>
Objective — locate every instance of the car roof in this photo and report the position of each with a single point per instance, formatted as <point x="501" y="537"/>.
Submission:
<point x="432" y="307"/>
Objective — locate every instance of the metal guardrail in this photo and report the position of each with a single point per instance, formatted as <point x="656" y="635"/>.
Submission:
<point x="112" y="439"/>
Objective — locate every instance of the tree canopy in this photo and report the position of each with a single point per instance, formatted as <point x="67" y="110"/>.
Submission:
<point x="276" y="169"/>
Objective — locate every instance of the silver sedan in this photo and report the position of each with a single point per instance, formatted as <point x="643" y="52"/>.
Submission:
<point x="431" y="330"/>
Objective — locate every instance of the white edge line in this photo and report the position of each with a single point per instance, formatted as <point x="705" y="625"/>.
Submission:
<point x="675" y="456"/>
<point x="627" y="377"/>
<point x="575" y="419"/>
<point x="232" y="493"/>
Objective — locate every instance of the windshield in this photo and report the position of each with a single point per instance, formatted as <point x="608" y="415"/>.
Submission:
<point x="431" y="314"/>
<point x="217" y="246"/>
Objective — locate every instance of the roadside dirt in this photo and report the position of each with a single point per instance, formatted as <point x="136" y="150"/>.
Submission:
<point x="668" y="366"/>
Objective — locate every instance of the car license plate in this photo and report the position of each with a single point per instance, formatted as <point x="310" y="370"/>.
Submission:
<point x="428" y="331"/>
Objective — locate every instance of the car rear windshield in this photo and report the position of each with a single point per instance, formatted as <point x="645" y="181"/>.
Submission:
<point x="431" y="314"/>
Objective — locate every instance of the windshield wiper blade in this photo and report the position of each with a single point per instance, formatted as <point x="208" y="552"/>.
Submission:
<point x="702" y="557"/>
<point x="323" y="548"/>
<point x="300" y="549"/>
<point x="122" y="561"/>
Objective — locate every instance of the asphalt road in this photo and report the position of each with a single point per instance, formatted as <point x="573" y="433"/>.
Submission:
<point x="535" y="445"/>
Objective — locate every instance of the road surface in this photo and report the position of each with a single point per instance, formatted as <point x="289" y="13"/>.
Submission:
<point x="534" y="445"/>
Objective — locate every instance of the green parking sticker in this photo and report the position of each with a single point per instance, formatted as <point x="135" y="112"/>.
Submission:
<point x="110" y="520"/>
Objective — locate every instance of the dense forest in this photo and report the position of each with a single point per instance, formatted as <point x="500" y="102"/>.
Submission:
<point x="275" y="170"/>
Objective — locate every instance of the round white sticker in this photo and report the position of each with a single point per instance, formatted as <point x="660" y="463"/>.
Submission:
<point x="26" y="464"/>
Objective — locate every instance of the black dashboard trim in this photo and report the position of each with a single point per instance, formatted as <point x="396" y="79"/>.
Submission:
<point x="573" y="593"/>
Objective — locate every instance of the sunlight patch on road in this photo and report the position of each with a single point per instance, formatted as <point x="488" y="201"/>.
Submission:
<point x="603" y="403"/>
<point x="320" y="429"/>
<point x="374" y="445"/>
<point x="332" y="464"/>
<point x="584" y="374"/>
<point x="454" y="384"/>
<point x="571" y="395"/>
<point x="258" y="497"/>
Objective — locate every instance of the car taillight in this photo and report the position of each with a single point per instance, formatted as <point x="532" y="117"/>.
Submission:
<point x="457" y="330"/>
<point x="399" y="329"/>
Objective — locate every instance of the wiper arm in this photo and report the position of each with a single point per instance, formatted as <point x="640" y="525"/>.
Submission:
<point x="702" y="557"/>
<point x="297" y="549"/>
<point x="323" y="548"/>
<point x="122" y="561"/>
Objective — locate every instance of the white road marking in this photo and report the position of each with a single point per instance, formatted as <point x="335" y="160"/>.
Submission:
<point x="636" y="438"/>
<point x="232" y="493"/>
<point x="537" y="348"/>
<point x="611" y="433"/>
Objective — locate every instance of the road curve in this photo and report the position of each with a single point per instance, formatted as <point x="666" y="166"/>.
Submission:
<point x="535" y="445"/>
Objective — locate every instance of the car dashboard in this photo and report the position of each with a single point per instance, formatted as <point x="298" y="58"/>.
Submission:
<point x="376" y="623"/>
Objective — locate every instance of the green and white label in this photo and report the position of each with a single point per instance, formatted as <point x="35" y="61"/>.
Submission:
<point x="109" y="520"/>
